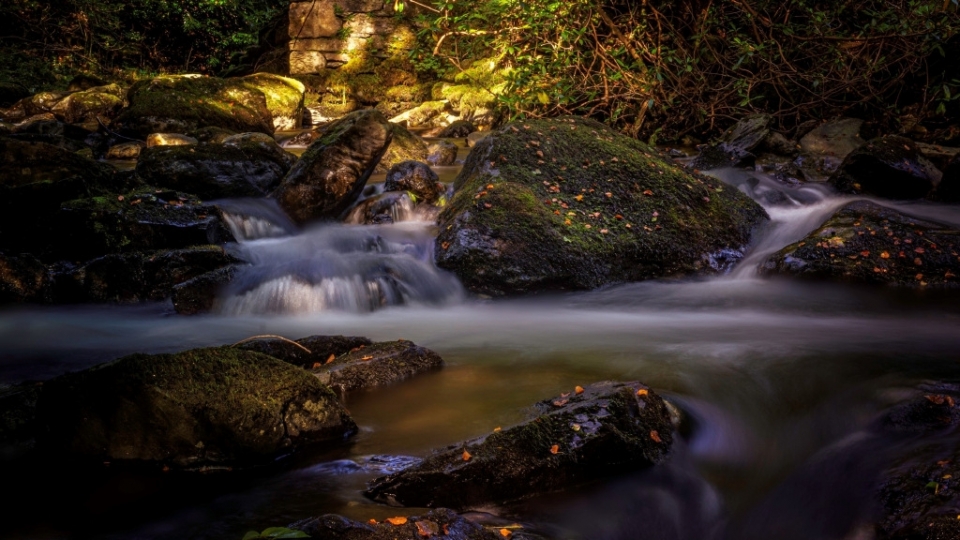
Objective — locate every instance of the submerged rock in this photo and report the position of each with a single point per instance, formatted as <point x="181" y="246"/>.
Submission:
<point x="217" y="407"/>
<point x="376" y="365"/>
<point x="417" y="178"/>
<point x="733" y="148"/>
<point x="606" y="429"/>
<point x="890" y="167"/>
<point x="186" y="103"/>
<point x="237" y="168"/>
<point x="404" y="146"/>
<point x="321" y="348"/>
<point x="439" y="523"/>
<point x="571" y="204"/>
<point x="867" y="243"/>
<point x="442" y="154"/>
<point x="330" y="175"/>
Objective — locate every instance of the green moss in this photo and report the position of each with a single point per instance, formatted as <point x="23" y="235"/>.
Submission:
<point x="284" y="95"/>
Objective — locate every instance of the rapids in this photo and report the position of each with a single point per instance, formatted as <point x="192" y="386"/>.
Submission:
<point x="777" y="379"/>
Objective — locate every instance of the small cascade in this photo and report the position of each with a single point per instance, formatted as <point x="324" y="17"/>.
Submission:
<point x="339" y="267"/>
<point x="253" y="219"/>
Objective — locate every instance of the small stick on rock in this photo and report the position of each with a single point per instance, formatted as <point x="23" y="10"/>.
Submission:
<point x="272" y="336"/>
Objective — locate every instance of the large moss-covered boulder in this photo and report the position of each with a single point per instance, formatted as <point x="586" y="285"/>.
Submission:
<point x="602" y="430"/>
<point x="891" y="167"/>
<point x="330" y="175"/>
<point x="186" y="103"/>
<point x="571" y="204"/>
<point x="98" y="103"/>
<point x="867" y="243"/>
<point x="218" y="407"/>
<point x="284" y="98"/>
<point x="404" y="146"/>
<point x="245" y="168"/>
<point x="377" y="365"/>
<point x="140" y="220"/>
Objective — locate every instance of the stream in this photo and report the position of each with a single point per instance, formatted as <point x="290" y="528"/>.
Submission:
<point x="778" y="380"/>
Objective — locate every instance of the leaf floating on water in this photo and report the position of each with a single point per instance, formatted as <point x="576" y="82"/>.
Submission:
<point x="578" y="390"/>
<point x="554" y="449"/>
<point x="397" y="521"/>
<point x="466" y="456"/>
<point x="655" y="436"/>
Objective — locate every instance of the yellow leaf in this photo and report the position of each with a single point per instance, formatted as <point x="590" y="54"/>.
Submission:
<point x="579" y="197"/>
<point x="543" y="98"/>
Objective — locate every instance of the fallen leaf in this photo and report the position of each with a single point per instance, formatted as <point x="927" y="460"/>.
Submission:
<point x="579" y="198"/>
<point x="575" y="427"/>
<point x="554" y="449"/>
<point x="506" y="532"/>
<point x="466" y="456"/>
<point x="427" y="528"/>
<point x="316" y="365"/>
<point x="642" y="392"/>
<point x="885" y="255"/>
<point x="655" y="436"/>
<point x="560" y="402"/>
<point x="366" y="358"/>
<point x="648" y="193"/>
<point x="330" y="358"/>
<point x="119" y="197"/>
<point x="372" y="521"/>
<point x="397" y="521"/>
<point x="497" y="429"/>
<point x="487" y="205"/>
<point x="578" y="390"/>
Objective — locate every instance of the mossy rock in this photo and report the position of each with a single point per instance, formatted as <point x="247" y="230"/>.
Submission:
<point x="241" y="168"/>
<point x="439" y="523"/>
<point x="404" y="146"/>
<point x="867" y="243"/>
<point x="140" y="220"/>
<point x="330" y="175"/>
<point x="216" y="407"/>
<point x="322" y="349"/>
<point x="408" y="93"/>
<point x="891" y="167"/>
<point x="396" y="71"/>
<point x="428" y="113"/>
<point x="101" y="103"/>
<point x="570" y="204"/>
<point x="604" y="430"/>
<point x="23" y="278"/>
<point x="284" y="98"/>
<point x="417" y="178"/>
<point x="187" y="103"/>
<point x="377" y="365"/>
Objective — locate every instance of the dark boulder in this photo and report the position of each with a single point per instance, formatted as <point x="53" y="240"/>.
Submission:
<point x="442" y="154"/>
<point x="217" y="407"/>
<point x="734" y="146"/>
<point x="199" y="295"/>
<point x="439" y="523"/>
<point x="949" y="188"/>
<point x="309" y="352"/>
<point x="376" y="365"/>
<point x="867" y="243"/>
<point x="571" y="204"/>
<point x="186" y="103"/>
<point x="604" y="430"/>
<point x="890" y="167"/>
<point x="417" y="178"/>
<point x="245" y="168"/>
<point x="23" y="278"/>
<point x="141" y="220"/>
<point x="457" y="130"/>
<point x="330" y="175"/>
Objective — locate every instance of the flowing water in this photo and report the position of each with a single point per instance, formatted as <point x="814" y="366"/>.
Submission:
<point x="777" y="379"/>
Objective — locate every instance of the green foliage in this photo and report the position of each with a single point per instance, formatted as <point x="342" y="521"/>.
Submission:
<point x="676" y="67"/>
<point x="275" y="532"/>
<point x="105" y="35"/>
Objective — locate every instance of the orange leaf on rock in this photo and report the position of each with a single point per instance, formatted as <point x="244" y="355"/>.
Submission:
<point x="466" y="456"/>
<point x="372" y="521"/>
<point x="655" y="436"/>
<point x="642" y="392"/>
<point x="554" y="449"/>
<point x="397" y="521"/>
<point x="330" y="358"/>
<point x="648" y="193"/>
<point x="505" y="533"/>
<point x="578" y="389"/>
<point x="366" y="358"/>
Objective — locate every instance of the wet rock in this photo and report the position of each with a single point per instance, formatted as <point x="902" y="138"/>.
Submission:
<point x="214" y="134"/>
<point x="199" y="295"/>
<point x="919" y="496"/>
<point x="186" y="103"/>
<point x="23" y="278"/>
<point x="417" y="178"/>
<point x="217" y="407"/>
<point x="476" y="137"/>
<point x="264" y="143"/>
<point x="11" y="93"/>
<point x="442" y="153"/>
<point x="439" y="523"/>
<point x="330" y="175"/>
<point x="404" y="146"/>
<point x="571" y="204"/>
<point x="18" y="407"/>
<point x="949" y="188"/>
<point x="321" y="348"/>
<point x="824" y="148"/>
<point x="458" y="129"/>
<point x="125" y="151"/>
<point x="97" y="103"/>
<point x="240" y="168"/>
<point x="606" y="430"/>
<point x="778" y="144"/>
<point x="284" y="98"/>
<point x="376" y="365"/>
<point x="141" y="220"/>
<point x="734" y="147"/>
<point x="170" y="139"/>
<point x="423" y="114"/>
<point x="39" y="103"/>
<point x="867" y="243"/>
<point x="940" y="156"/>
<point x="384" y="208"/>
<point x="889" y="167"/>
